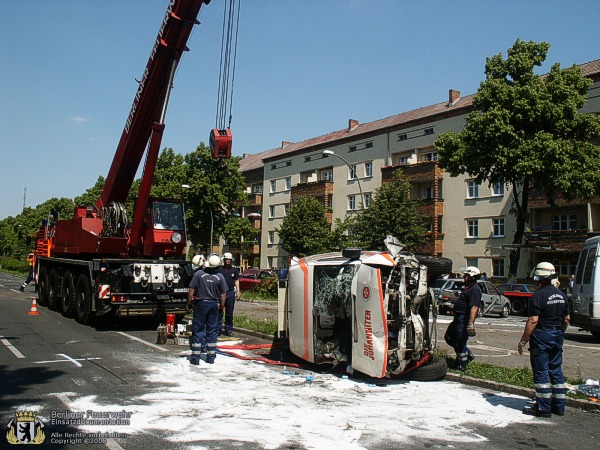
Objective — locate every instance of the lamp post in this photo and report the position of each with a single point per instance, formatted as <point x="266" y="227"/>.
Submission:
<point x="331" y="152"/>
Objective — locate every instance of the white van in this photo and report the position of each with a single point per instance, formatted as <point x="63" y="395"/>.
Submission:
<point x="585" y="301"/>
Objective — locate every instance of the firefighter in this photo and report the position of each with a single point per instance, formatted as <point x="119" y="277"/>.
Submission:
<point x="31" y="262"/>
<point x="210" y="287"/>
<point x="466" y="308"/>
<point x="232" y="277"/>
<point x="548" y="319"/>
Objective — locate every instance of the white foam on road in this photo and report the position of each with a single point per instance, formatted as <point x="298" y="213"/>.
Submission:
<point x="246" y="401"/>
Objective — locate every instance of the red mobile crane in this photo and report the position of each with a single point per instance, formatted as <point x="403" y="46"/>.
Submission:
<point x="99" y="262"/>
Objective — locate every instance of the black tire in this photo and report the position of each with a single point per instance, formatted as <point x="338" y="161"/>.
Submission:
<point x="83" y="300"/>
<point x="436" y="265"/>
<point x="435" y="370"/>
<point x="67" y="300"/>
<point x="43" y="287"/>
<point x="53" y="292"/>
<point x="517" y="307"/>
<point x="596" y="334"/>
<point x="505" y="311"/>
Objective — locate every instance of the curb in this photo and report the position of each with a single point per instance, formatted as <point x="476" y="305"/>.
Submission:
<point x="585" y="405"/>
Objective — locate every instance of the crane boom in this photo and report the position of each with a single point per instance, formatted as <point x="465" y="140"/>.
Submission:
<point x="150" y="102"/>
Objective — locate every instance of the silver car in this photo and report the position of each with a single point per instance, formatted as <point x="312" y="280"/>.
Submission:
<point x="492" y="301"/>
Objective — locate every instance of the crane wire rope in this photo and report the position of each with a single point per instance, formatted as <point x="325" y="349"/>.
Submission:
<point x="231" y="14"/>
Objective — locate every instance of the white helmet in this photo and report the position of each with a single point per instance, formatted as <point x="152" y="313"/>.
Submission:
<point x="213" y="260"/>
<point x="198" y="260"/>
<point x="472" y="271"/>
<point x="543" y="271"/>
<point x="227" y="256"/>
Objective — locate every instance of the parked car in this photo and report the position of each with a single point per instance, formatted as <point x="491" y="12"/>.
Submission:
<point x="492" y="301"/>
<point x="253" y="277"/>
<point x="437" y="286"/>
<point x="519" y="295"/>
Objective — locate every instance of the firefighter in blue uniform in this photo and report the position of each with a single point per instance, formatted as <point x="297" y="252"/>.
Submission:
<point x="548" y="319"/>
<point x="209" y="287"/>
<point x="232" y="277"/>
<point x="466" y="308"/>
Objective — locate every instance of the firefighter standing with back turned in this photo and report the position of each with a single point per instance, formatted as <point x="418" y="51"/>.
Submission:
<point x="466" y="308"/>
<point x="548" y="320"/>
<point x="210" y="288"/>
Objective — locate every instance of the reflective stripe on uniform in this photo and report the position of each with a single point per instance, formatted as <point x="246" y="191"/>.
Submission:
<point x="461" y="356"/>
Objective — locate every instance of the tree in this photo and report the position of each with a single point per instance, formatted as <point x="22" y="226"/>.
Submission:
<point x="240" y="233"/>
<point x="305" y="230"/>
<point x="91" y="196"/>
<point x="526" y="131"/>
<point x="217" y="187"/>
<point x="391" y="212"/>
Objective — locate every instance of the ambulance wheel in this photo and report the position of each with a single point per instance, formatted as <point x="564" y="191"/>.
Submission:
<point x="53" y="293"/>
<point x="435" y="370"/>
<point x="68" y="294"/>
<point x="83" y="300"/>
<point x="43" y="287"/>
<point x="596" y="334"/>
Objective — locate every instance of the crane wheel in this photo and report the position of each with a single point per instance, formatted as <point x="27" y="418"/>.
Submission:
<point x="67" y="301"/>
<point x="83" y="300"/>
<point x="53" y="292"/>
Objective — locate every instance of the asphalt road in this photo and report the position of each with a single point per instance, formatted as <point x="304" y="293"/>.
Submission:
<point x="54" y="366"/>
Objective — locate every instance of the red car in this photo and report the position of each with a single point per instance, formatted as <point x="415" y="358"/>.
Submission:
<point x="252" y="277"/>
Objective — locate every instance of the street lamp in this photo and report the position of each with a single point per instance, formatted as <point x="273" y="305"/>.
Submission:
<point x="331" y="152"/>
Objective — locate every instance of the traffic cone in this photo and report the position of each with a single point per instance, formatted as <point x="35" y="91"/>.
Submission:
<point x="34" y="311"/>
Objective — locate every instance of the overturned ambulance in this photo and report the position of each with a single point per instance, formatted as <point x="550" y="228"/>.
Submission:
<point x="370" y="311"/>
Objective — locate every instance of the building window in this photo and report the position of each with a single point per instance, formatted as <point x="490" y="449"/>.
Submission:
<point x="271" y="211"/>
<point x="498" y="267"/>
<point x="368" y="199"/>
<point x="403" y="160"/>
<point x="353" y="148"/>
<point x="472" y="189"/>
<point x="567" y="222"/>
<point x="352" y="172"/>
<point x="368" y="145"/>
<point x="327" y="175"/>
<point x="257" y="188"/>
<point x="271" y="240"/>
<point x="498" y="227"/>
<point x="288" y="163"/>
<point x="273" y="186"/>
<point x="286" y="208"/>
<point x="352" y="202"/>
<point x="369" y="169"/>
<point x="307" y="159"/>
<point x="429" y="156"/>
<point x="428" y="131"/>
<point x="472" y="228"/>
<point x="288" y="183"/>
<point x="402" y="137"/>
<point x="497" y="189"/>
<point x="428" y="193"/>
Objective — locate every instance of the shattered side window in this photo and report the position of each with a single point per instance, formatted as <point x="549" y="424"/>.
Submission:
<point x="332" y="290"/>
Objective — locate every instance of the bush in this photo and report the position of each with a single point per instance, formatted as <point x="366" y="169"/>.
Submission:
<point x="267" y="288"/>
<point x="14" y="266"/>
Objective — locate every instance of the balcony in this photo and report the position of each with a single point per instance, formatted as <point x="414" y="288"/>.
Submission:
<point x="416" y="173"/>
<point x="434" y="247"/>
<point x="557" y="241"/>
<point x="320" y="189"/>
<point x="254" y="199"/>
<point x="431" y="207"/>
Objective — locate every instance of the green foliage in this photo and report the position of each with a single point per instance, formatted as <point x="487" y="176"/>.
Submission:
<point x="15" y="266"/>
<point x="526" y="132"/>
<point x="390" y="213"/>
<point x="91" y="196"/>
<point x="267" y="326"/>
<point x="215" y="186"/>
<point x="267" y="288"/>
<point x="240" y="233"/>
<point x="305" y="230"/>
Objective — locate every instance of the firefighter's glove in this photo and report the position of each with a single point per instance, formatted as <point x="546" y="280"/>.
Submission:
<point x="471" y="330"/>
<point x="521" y="346"/>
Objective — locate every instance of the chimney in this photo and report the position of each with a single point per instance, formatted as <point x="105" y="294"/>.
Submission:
<point x="352" y="124"/>
<point x="285" y="143"/>
<point x="245" y="155"/>
<point x="453" y="97"/>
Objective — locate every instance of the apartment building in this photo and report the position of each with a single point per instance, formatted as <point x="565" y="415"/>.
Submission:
<point x="468" y="222"/>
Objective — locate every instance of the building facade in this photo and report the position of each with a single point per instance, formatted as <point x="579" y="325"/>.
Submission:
<point x="469" y="223"/>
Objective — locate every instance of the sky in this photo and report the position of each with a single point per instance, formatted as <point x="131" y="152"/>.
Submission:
<point x="303" y="69"/>
<point x="274" y="409"/>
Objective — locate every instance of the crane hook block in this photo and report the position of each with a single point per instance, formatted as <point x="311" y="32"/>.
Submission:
<point x="220" y="143"/>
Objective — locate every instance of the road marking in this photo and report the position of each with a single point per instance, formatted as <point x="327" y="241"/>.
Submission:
<point x="134" y="338"/>
<point x="67" y="359"/>
<point x="110" y="443"/>
<point x="11" y="347"/>
<point x="14" y="290"/>
<point x="581" y="346"/>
